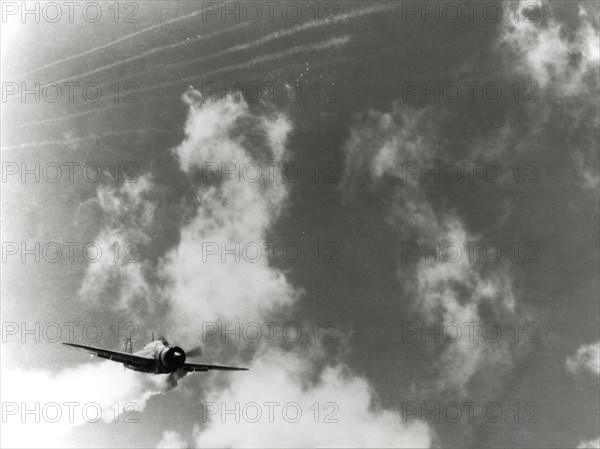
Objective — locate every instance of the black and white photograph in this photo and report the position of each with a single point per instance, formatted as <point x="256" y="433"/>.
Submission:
<point x="300" y="224"/>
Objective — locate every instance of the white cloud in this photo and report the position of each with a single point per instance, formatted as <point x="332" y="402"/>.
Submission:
<point x="564" y="61"/>
<point x="127" y="213"/>
<point x="380" y="143"/>
<point x="212" y="290"/>
<point x="452" y="292"/>
<point x="334" y="409"/>
<point x="202" y="289"/>
<point x="171" y="440"/>
<point x="590" y="444"/>
<point x="557" y="60"/>
<point x="444" y="291"/>
<point x="93" y="388"/>
<point x="587" y="358"/>
<point x="229" y="212"/>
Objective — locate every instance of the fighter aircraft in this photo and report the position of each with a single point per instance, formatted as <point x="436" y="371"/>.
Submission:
<point x="157" y="357"/>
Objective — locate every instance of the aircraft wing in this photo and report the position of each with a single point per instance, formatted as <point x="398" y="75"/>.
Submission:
<point x="203" y="367"/>
<point x="116" y="356"/>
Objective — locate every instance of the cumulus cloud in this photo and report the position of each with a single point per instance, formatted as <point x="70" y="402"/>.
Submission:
<point x="120" y="270"/>
<point x="211" y="289"/>
<point x="587" y="358"/>
<point x="589" y="444"/>
<point x="232" y="214"/>
<point x="561" y="54"/>
<point x="558" y="58"/>
<point x="199" y="287"/>
<point x="190" y="284"/>
<point x="58" y="402"/>
<point x="283" y="403"/>
<point x="171" y="440"/>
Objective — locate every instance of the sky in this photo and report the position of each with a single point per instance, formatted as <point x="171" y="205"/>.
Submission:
<point x="387" y="210"/>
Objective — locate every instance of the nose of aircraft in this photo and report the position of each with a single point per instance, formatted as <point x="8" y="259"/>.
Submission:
<point x="176" y="357"/>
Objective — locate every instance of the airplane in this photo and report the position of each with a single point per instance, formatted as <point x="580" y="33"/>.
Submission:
<point x="157" y="357"/>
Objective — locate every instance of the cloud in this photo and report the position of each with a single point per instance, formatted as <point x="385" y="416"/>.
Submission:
<point x="212" y="290"/>
<point x="230" y="212"/>
<point x="380" y="147"/>
<point x="559" y="57"/>
<point x="187" y="286"/>
<point x="121" y="270"/>
<point x="171" y="440"/>
<point x="587" y="358"/>
<point x="590" y="444"/>
<point x="200" y="288"/>
<point x="380" y="143"/>
<point x="561" y="54"/>
<point x="92" y="388"/>
<point x="282" y="402"/>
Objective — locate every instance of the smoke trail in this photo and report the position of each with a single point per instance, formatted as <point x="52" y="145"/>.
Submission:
<point x="331" y="43"/>
<point x="276" y="35"/>
<point x="121" y="39"/>
<point x="154" y="51"/>
<point x="92" y="389"/>
<point x="263" y="40"/>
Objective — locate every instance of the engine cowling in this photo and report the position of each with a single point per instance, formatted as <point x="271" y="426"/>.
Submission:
<point x="172" y="357"/>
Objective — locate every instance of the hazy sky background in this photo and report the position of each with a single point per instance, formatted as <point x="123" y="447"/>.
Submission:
<point x="375" y="128"/>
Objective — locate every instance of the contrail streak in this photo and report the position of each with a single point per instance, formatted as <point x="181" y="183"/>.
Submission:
<point x="271" y="37"/>
<point x="90" y="137"/>
<point x="265" y="39"/>
<point x="154" y="51"/>
<point x="121" y="39"/>
<point x="291" y="66"/>
<point x="335" y="42"/>
<point x="285" y="33"/>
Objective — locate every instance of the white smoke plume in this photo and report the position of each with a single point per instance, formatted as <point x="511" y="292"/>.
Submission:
<point x="40" y="408"/>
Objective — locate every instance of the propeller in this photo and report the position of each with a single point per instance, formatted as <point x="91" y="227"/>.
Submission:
<point x="195" y="352"/>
